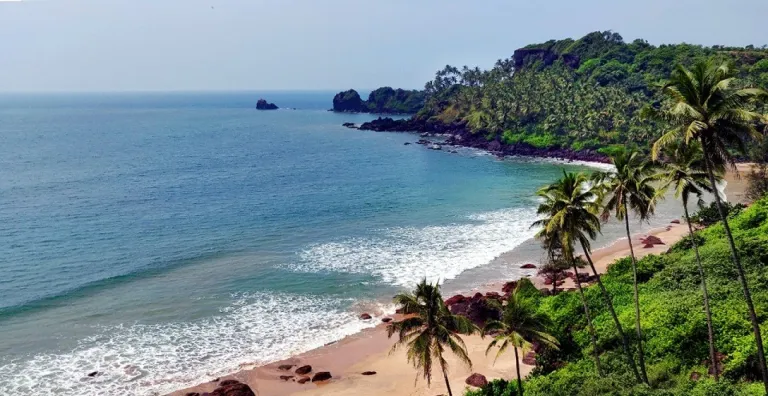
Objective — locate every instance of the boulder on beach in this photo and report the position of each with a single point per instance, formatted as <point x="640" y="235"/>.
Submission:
<point x="365" y="316"/>
<point x="232" y="388"/>
<point x="455" y="299"/>
<point x="286" y="377"/>
<point x="652" y="240"/>
<point x="285" y="367"/>
<point x="476" y="380"/>
<point x="648" y="246"/>
<point x="303" y="370"/>
<point x="528" y="266"/>
<point x="386" y="320"/>
<point x="369" y="373"/>
<point x="321" y="376"/>
<point x="262" y="104"/>
<point x="675" y="221"/>
<point x="303" y="380"/>
<point x="508" y="287"/>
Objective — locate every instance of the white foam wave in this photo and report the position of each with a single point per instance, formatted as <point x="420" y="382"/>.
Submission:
<point x="157" y="359"/>
<point x="403" y="256"/>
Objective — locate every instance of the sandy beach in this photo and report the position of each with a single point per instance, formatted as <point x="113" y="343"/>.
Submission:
<point x="370" y="349"/>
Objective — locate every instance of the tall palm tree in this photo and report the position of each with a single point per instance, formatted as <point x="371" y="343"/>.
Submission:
<point x="553" y="244"/>
<point x="521" y="324"/>
<point x="629" y="188"/>
<point x="570" y="210"/>
<point x="430" y="330"/>
<point x="684" y="173"/>
<point x="707" y="109"/>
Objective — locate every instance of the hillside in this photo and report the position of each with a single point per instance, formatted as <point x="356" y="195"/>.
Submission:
<point x="580" y="96"/>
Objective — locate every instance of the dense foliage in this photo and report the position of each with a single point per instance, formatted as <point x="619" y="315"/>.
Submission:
<point x="672" y="318"/>
<point x="578" y="94"/>
<point x="384" y="100"/>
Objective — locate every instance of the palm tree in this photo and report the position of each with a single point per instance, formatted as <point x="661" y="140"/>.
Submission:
<point x="684" y="172"/>
<point x="552" y="243"/>
<point x="521" y="324"/>
<point x="705" y="108"/>
<point x="569" y="211"/>
<point x="430" y="329"/>
<point x="629" y="188"/>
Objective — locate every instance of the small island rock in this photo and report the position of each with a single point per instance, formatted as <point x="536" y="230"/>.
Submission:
<point x="262" y="104"/>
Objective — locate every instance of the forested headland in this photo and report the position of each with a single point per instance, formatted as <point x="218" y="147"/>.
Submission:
<point x="565" y="96"/>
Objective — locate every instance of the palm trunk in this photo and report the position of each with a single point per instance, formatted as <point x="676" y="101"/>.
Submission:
<point x="609" y="303"/>
<point x="519" y="379"/>
<point x="445" y="376"/>
<point x="638" y="329"/>
<point x="710" y="331"/>
<point x="589" y="322"/>
<point x="742" y="276"/>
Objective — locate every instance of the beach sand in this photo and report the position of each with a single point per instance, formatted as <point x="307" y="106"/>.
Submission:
<point x="369" y="350"/>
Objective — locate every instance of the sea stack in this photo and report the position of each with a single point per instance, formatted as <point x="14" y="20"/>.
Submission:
<point x="264" y="105"/>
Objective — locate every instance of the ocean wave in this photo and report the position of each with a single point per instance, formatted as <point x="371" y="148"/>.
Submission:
<point x="157" y="359"/>
<point x="403" y="256"/>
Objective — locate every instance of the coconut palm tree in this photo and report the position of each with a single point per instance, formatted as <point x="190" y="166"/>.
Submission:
<point x="707" y="109"/>
<point x="429" y="330"/>
<point x="569" y="210"/>
<point x="629" y="188"/>
<point x="552" y="243"/>
<point x="521" y="324"/>
<point x="684" y="173"/>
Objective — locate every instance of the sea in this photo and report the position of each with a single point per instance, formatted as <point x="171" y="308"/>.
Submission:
<point x="163" y="239"/>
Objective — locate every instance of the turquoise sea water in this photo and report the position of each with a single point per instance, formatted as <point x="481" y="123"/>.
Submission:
<point x="164" y="239"/>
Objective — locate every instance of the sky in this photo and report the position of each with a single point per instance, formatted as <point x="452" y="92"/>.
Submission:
<point x="201" y="45"/>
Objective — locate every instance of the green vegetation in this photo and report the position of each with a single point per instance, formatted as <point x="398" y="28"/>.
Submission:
<point x="579" y="94"/>
<point x="383" y="100"/>
<point x="430" y="330"/>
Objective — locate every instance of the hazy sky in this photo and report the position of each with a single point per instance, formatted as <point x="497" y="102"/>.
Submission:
<point x="136" y="45"/>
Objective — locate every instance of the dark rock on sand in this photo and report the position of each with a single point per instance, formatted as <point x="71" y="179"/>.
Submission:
<point x="303" y="370"/>
<point x="321" y="376"/>
<point x="508" y="287"/>
<point x="675" y="221"/>
<point x="477" y="380"/>
<point x="232" y="388"/>
<point x="528" y="266"/>
<point x="369" y="373"/>
<point x="303" y="380"/>
<point x="285" y="367"/>
<point x="192" y="394"/>
<point x="262" y="104"/>
<point x="365" y="316"/>
<point x="386" y="320"/>
<point x="455" y="299"/>
<point x="286" y="377"/>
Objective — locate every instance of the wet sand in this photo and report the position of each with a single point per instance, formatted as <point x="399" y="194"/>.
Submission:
<point x="370" y="349"/>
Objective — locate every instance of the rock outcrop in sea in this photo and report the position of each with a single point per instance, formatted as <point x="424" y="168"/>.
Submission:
<point x="458" y="134"/>
<point x="262" y="104"/>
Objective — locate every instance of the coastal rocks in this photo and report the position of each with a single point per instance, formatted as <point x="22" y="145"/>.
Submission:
<point x="286" y="377"/>
<point x="321" y="376"/>
<point x="651" y="240"/>
<point x="476" y="380"/>
<point x="303" y="380"/>
<point x="508" y="287"/>
<point x="676" y="221"/>
<point x="386" y="320"/>
<point x="232" y="388"/>
<point x="528" y="266"/>
<point x="365" y="316"/>
<point x="369" y="373"/>
<point x="478" y="309"/>
<point x="435" y="147"/>
<point x="407" y="144"/>
<point x="351" y="125"/>
<point x="455" y="299"/>
<point x="262" y="104"/>
<point x="303" y="370"/>
<point x="348" y="101"/>
<point x="285" y="367"/>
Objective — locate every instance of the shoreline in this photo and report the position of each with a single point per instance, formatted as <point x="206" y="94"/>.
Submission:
<point x="369" y="350"/>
